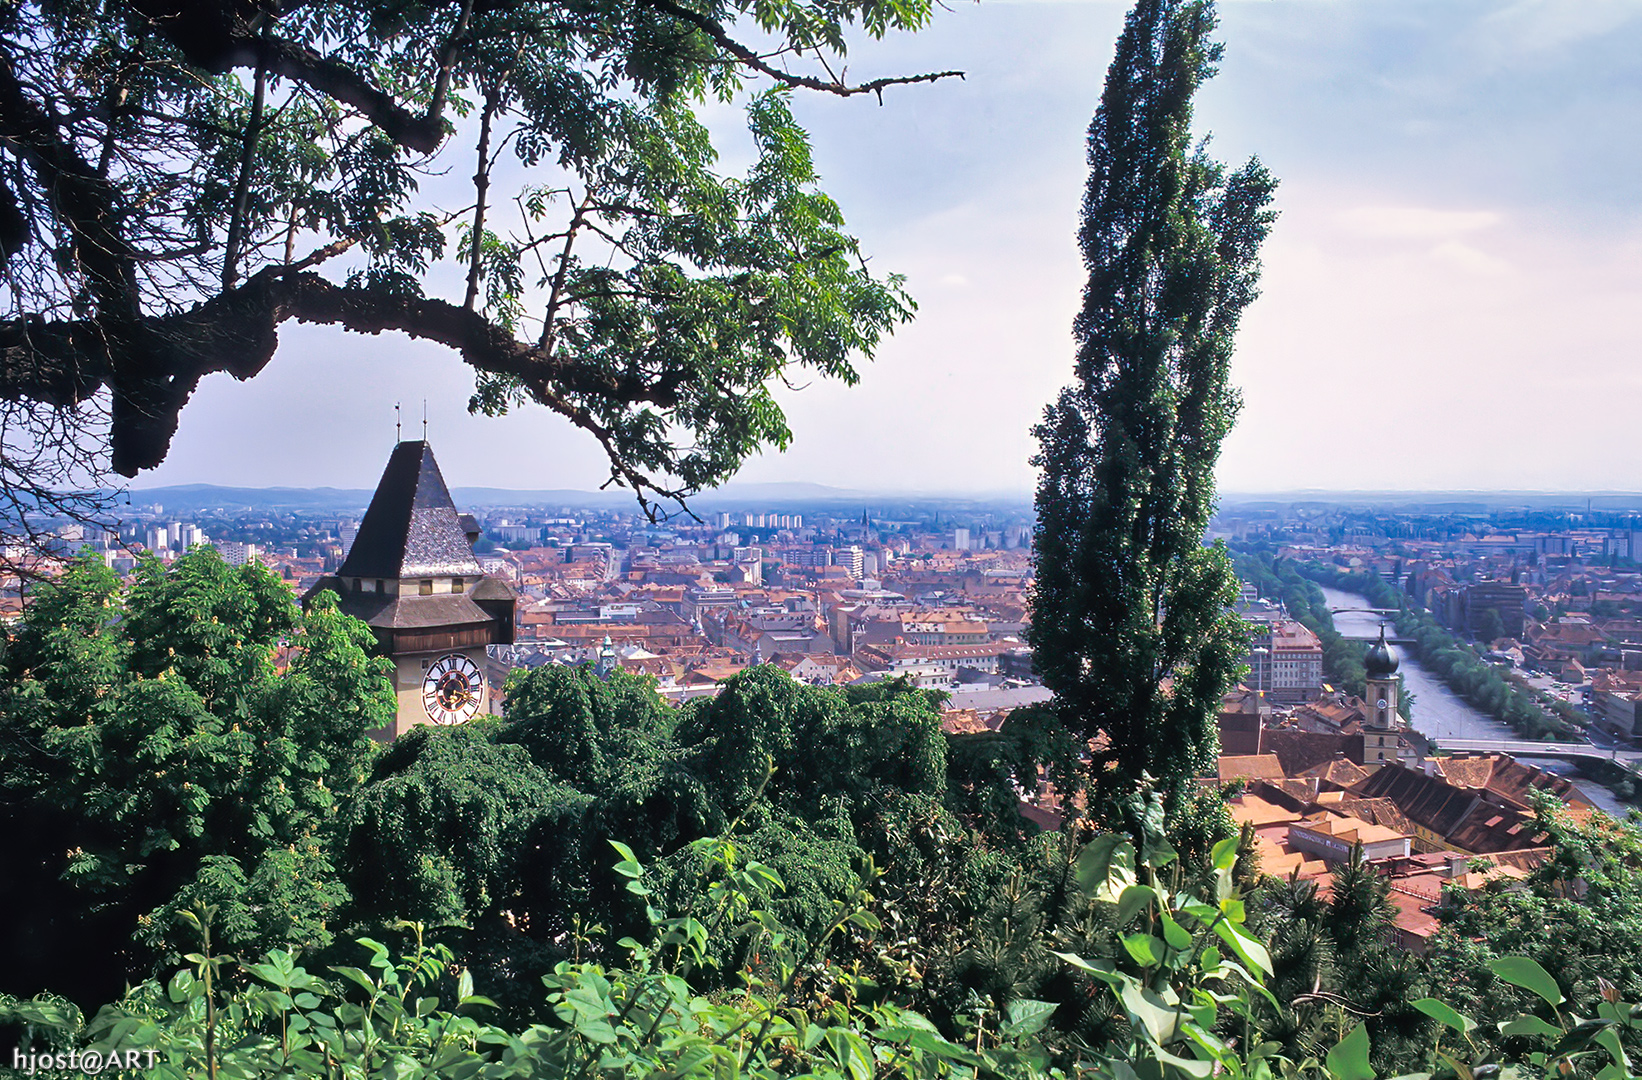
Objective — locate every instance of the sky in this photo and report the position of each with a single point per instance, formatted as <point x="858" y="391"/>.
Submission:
<point x="1449" y="301"/>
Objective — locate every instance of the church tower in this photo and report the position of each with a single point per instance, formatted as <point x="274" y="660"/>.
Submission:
<point x="1382" y="738"/>
<point x="411" y="575"/>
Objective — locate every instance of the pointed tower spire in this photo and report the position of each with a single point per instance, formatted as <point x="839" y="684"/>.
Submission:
<point x="411" y="528"/>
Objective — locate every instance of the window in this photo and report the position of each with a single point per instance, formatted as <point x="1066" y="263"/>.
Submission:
<point x="427" y="587"/>
<point x="456" y="585"/>
<point x="379" y="587"/>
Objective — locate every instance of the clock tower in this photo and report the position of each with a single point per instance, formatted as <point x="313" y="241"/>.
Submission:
<point x="1382" y="735"/>
<point x="411" y="575"/>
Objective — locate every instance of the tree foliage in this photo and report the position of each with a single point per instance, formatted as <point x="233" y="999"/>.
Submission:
<point x="1579" y="917"/>
<point x="1182" y="977"/>
<point x="156" y="754"/>
<point x="1129" y="624"/>
<point x="180" y="178"/>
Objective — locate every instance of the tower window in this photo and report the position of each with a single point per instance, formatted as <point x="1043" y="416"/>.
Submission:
<point x="427" y="587"/>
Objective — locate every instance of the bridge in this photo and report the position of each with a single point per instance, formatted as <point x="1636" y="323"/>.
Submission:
<point x="1373" y="611"/>
<point x="1526" y="748"/>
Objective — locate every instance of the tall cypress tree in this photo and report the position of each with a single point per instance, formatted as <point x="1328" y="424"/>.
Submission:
<point x="1130" y="625"/>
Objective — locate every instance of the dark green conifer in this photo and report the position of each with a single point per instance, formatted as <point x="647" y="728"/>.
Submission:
<point x="1130" y="625"/>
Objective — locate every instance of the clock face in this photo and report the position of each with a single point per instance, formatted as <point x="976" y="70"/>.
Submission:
<point x="451" y="689"/>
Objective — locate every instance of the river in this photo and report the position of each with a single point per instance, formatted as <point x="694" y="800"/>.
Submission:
<point x="1437" y="711"/>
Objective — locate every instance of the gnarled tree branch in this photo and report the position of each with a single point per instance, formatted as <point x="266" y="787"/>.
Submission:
<point x="236" y="333"/>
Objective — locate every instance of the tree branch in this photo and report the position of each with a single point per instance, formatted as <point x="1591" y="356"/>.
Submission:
<point x="550" y="321"/>
<point x="218" y="38"/>
<point x="721" y="37"/>
<point x="236" y="333"/>
<point x="242" y="182"/>
<point x="481" y="186"/>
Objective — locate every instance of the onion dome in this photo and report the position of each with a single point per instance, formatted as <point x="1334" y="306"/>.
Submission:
<point x="1381" y="661"/>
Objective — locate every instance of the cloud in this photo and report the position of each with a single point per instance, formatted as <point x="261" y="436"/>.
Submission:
<point x="1469" y="258"/>
<point x="1414" y="222"/>
<point x="1530" y="27"/>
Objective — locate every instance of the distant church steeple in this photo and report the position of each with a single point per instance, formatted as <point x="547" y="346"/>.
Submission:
<point x="1382" y="741"/>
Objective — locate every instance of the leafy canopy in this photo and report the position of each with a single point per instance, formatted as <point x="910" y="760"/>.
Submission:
<point x="178" y="178"/>
<point x="190" y="738"/>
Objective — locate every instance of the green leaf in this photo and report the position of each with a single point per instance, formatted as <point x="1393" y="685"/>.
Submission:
<point x="1224" y="855"/>
<point x="1024" y="1016"/>
<point x="353" y="974"/>
<point x="1133" y="899"/>
<point x="1100" y="969"/>
<point x="1249" y="950"/>
<point x="1444" y="1014"/>
<point x="1608" y="1039"/>
<point x="1158" y="1018"/>
<point x="1105" y="867"/>
<point x="1581" y="1035"/>
<point x="1349" y="1058"/>
<point x="932" y="1043"/>
<point x="1176" y="935"/>
<point x="1525" y="972"/>
<point x="1526" y="1026"/>
<point x="1201" y="1070"/>
<point x="1146" y="949"/>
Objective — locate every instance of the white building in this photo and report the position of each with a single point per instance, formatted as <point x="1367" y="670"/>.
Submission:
<point x="235" y="553"/>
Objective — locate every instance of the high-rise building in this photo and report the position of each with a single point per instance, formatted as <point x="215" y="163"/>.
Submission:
<point x="852" y="558"/>
<point x="235" y="553"/>
<point x="187" y="535"/>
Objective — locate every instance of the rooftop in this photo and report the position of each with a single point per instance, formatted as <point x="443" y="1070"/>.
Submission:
<point x="412" y="528"/>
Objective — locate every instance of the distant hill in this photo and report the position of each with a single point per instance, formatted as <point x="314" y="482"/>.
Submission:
<point x="1441" y="502"/>
<point x="192" y="498"/>
<point x="184" y="498"/>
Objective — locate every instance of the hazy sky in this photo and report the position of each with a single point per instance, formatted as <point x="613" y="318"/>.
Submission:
<point x="1450" y="299"/>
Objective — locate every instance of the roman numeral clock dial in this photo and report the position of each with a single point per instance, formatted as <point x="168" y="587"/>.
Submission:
<point x="451" y="690"/>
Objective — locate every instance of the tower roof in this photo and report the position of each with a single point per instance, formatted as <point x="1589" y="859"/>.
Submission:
<point x="412" y="528"/>
<point x="1381" y="660"/>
